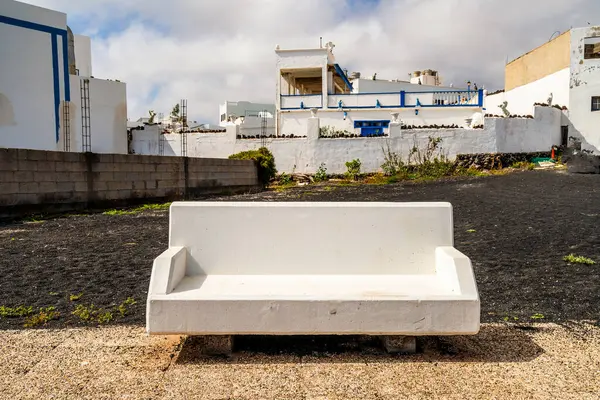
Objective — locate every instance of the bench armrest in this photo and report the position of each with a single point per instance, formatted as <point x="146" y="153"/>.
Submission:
<point x="455" y="268"/>
<point x="168" y="270"/>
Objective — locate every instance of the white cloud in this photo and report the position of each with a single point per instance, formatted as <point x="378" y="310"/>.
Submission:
<point x="210" y="51"/>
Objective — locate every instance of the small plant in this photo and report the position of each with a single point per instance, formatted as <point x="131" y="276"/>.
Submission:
<point x="353" y="169"/>
<point x="573" y="259"/>
<point x="136" y="210"/>
<point x="92" y="314"/>
<point x="75" y="297"/>
<point x="507" y="318"/>
<point x="285" y="179"/>
<point x="321" y="174"/>
<point x="53" y="293"/>
<point x="42" y="318"/>
<point x="15" y="312"/>
<point x="104" y="317"/>
<point x="264" y="160"/>
<point x="537" y="316"/>
<point x="471" y="231"/>
<point x="122" y="308"/>
<point x="393" y="164"/>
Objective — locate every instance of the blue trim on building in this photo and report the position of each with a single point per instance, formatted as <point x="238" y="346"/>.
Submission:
<point x="341" y="73"/>
<point x="54" y="33"/>
<point x="56" y="79"/>
<point x="402" y="98"/>
<point x="65" y="50"/>
<point x="31" y="25"/>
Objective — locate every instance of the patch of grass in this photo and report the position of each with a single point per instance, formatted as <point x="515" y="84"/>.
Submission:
<point x="574" y="259"/>
<point x="538" y="316"/>
<point x="42" y="318"/>
<point x="122" y="308"/>
<point x="75" y="297"/>
<point x="329" y="188"/>
<point x="139" y="209"/>
<point x="508" y="318"/>
<point x="92" y="314"/>
<point x="34" y="219"/>
<point x="471" y="231"/>
<point x="15" y="312"/>
<point x="523" y="165"/>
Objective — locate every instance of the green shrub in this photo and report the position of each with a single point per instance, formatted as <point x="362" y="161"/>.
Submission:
<point x="353" y="169"/>
<point x="285" y="179"/>
<point x="45" y="315"/>
<point x="321" y="174"/>
<point x="264" y="160"/>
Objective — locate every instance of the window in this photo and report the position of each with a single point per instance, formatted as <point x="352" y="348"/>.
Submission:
<point x="591" y="48"/>
<point x="223" y="117"/>
<point x="595" y="103"/>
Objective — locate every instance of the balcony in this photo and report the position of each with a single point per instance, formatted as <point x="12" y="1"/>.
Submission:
<point x="301" y="102"/>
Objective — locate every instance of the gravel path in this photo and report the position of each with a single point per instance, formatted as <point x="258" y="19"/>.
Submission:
<point x="502" y="362"/>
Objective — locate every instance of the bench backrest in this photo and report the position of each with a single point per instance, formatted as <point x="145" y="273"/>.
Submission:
<point x="225" y="238"/>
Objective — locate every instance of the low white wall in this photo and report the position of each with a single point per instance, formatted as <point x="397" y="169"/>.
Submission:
<point x="304" y="155"/>
<point x="521" y="99"/>
<point x="518" y="135"/>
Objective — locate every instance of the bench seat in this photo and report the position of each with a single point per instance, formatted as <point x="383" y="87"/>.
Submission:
<point x="193" y="295"/>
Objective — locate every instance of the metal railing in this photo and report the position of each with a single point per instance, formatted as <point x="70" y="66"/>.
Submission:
<point x="403" y="99"/>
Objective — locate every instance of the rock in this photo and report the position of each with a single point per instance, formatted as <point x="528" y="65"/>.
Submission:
<point x="584" y="164"/>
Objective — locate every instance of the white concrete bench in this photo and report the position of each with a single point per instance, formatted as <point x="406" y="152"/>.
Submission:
<point x="312" y="268"/>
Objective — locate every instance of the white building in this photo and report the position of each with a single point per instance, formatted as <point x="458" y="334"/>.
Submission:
<point x="230" y="111"/>
<point x="48" y="98"/>
<point x="563" y="72"/>
<point x="311" y="79"/>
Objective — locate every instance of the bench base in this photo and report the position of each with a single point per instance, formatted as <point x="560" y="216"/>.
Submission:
<point x="222" y="345"/>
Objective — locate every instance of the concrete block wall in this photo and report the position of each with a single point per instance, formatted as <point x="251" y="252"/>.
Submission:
<point x="45" y="178"/>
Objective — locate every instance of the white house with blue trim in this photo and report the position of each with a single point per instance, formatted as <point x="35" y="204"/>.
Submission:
<point x="311" y="79"/>
<point x="41" y="95"/>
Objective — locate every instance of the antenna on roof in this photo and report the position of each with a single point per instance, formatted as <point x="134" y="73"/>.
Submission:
<point x="321" y="42"/>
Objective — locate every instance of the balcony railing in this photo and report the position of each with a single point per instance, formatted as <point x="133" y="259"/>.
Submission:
<point x="456" y="98"/>
<point x="301" y="102"/>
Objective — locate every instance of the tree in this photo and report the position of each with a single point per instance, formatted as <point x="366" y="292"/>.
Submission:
<point x="152" y="116"/>
<point x="175" y="113"/>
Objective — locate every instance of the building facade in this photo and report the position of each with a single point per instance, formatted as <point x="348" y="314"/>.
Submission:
<point x="310" y="81"/>
<point x="48" y="99"/>
<point x="564" y="72"/>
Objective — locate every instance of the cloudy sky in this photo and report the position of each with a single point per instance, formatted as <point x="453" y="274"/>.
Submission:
<point x="209" y="51"/>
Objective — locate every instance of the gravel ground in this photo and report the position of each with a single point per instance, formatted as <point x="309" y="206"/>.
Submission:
<point x="515" y="228"/>
<point x="544" y="362"/>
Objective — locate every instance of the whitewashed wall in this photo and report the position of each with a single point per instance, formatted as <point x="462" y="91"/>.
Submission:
<point x="27" y="90"/>
<point x="83" y="55"/>
<point x="108" y="115"/>
<point x="521" y="99"/>
<point x="584" y="83"/>
<point x="306" y="154"/>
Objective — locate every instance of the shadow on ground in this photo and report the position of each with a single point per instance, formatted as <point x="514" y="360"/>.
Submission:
<point x="494" y="343"/>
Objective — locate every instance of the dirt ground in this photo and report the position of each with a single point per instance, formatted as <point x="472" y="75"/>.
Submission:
<point x="515" y="228"/>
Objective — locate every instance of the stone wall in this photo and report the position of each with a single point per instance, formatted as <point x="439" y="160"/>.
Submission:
<point x="32" y="179"/>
